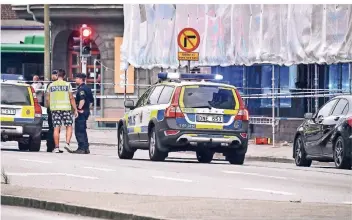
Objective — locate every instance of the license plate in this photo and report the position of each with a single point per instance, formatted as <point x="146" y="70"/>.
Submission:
<point x="8" y="111"/>
<point x="45" y="124"/>
<point x="210" y="118"/>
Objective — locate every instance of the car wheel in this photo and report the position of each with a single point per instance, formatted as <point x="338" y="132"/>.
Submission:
<point x="300" y="154"/>
<point x="123" y="150"/>
<point x="35" y="144"/>
<point x="23" y="146"/>
<point x="341" y="159"/>
<point x="235" y="158"/>
<point x="205" y="156"/>
<point x="154" y="153"/>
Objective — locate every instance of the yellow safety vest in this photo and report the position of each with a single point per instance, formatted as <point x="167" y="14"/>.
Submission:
<point x="59" y="92"/>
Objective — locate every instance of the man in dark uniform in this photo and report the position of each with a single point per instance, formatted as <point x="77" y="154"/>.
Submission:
<point x="84" y="98"/>
<point x="50" y="145"/>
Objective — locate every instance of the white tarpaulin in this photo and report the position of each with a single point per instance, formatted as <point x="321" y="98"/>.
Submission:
<point x="238" y="34"/>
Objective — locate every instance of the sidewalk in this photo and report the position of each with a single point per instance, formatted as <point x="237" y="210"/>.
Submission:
<point x="279" y="153"/>
<point x="128" y="206"/>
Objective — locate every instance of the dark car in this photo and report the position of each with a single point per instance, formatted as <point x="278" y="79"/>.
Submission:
<point x="326" y="136"/>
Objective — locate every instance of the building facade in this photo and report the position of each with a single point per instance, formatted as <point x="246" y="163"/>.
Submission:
<point x="107" y="22"/>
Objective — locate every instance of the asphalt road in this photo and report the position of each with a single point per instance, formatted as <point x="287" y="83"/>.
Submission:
<point x="180" y="175"/>
<point x="19" y="213"/>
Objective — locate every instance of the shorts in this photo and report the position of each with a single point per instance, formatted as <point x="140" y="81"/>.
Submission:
<point x="62" y="117"/>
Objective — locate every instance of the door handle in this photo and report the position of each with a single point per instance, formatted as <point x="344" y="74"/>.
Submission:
<point x="337" y="118"/>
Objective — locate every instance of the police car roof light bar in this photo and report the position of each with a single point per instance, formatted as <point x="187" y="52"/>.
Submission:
<point x="187" y="76"/>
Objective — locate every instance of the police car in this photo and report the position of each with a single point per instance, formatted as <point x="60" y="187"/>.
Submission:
<point x="21" y="115"/>
<point x="186" y="112"/>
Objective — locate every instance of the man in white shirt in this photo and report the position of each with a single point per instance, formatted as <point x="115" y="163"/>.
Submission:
<point x="38" y="87"/>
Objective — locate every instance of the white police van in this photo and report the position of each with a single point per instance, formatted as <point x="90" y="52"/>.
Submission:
<point x="186" y="112"/>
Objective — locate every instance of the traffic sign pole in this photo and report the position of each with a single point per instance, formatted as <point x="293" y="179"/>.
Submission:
<point x="84" y="64"/>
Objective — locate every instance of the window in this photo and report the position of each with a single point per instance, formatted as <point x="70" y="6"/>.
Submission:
<point x="338" y="78"/>
<point x="166" y="95"/>
<point x="345" y="110"/>
<point x="154" y="96"/>
<point x="339" y="108"/>
<point x="326" y="109"/>
<point x="231" y="74"/>
<point x="143" y="99"/>
<point x="284" y="81"/>
<point x="209" y="96"/>
<point x="14" y="95"/>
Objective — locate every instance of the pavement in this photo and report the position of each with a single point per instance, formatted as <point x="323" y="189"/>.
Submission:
<point x="19" y="213"/>
<point x="180" y="187"/>
<point x="279" y="153"/>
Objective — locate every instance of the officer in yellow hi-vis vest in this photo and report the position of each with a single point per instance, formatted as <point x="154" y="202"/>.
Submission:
<point x="61" y="102"/>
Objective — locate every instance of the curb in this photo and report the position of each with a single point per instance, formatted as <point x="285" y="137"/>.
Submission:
<point x="270" y="159"/>
<point x="69" y="209"/>
<point x="261" y="159"/>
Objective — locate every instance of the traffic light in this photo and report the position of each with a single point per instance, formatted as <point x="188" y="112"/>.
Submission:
<point x="83" y="43"/>
<point x="86" y="33"/>
<point x="77" y="44"/>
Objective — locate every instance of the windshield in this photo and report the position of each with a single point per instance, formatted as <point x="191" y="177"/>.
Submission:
<point x="209" y="97"/>
<point x="14" y="95"/>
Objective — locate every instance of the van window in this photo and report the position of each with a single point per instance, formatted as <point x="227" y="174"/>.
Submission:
<point x="209" y="96"/>
<point x="14" y="95"/>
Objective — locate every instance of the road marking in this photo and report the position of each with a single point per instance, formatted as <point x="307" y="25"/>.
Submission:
<point x="174" y="179"/>
<point x="36" y="161"/>
<point x="255" y="174"/>
<point x="52" y="174"/>
<point x="348" y="203"/>
<point x="269" y="191"/>
<point x="100" y="169"/>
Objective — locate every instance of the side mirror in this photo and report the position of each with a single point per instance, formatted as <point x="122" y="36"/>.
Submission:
<point x="129" y="104"/>
<point x="308" y="115"/>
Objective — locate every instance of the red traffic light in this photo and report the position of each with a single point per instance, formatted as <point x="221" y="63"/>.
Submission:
<point x="86" y="32"/>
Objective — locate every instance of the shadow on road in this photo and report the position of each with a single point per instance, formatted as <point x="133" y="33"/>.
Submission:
<point x="10" y="149"/>
<point x="181" y="160"/>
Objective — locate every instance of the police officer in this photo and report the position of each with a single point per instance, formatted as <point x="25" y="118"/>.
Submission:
<point x="50" y="145"/>
<point x="84" y="98"/>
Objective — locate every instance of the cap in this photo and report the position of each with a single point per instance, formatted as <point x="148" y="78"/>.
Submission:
<point x="81" y="75"/>
<point x="54" y="72"/>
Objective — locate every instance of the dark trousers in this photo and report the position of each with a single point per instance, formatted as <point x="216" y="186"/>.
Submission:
<point x="50" y="135"/>
<point x="81" y="131"/>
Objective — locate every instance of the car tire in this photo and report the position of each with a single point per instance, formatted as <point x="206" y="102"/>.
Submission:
<point x="154" y="147"/>
<point x="341" y="159"/>
<point x="23" y="146"/>
<point x="204" y="156"/>
<point x="123" y="150"/>
<point x="300" y="153"/>
<point x="235" y="158"/>
<point x="35" y="144"/>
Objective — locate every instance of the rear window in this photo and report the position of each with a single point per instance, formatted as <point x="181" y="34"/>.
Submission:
<point x="209" y="96"/>
<point x="14" y="95"/>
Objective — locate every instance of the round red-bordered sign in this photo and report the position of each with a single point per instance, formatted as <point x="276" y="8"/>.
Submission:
<point x="188" y="39"/>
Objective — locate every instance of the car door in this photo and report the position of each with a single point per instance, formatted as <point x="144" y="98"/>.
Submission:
<point x="313" y="129"/>
<point x="329" y="124"/>
<point x="145" y="114"/>
<point x="133" y="126"/>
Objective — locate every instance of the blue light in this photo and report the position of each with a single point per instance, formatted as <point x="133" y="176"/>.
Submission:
<point x="162" y="76"/>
